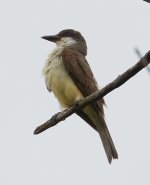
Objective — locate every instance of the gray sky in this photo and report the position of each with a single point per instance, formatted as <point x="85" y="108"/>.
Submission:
<point x="71" y="153"/>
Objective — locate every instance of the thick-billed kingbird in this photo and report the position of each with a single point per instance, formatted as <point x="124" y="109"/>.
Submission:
<point x="69" y="76"/>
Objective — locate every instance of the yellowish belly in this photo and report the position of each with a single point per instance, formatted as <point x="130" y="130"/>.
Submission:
<point x="61" y="84"/>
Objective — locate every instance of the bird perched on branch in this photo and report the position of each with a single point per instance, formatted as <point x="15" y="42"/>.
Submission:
<point x="69" y="76"/>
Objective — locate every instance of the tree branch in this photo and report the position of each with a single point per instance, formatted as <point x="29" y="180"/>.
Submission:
<point x="120" y="80"/>
<point x="137" y="51"/>
<point x="148" y="1"/>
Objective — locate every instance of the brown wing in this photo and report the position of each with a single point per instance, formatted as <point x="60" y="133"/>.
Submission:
<point x="80" y="71"/>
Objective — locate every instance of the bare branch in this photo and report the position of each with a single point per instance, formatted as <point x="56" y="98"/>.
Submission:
<point x="120" y="80"/>
<point x="137" y="51"/>
<point x="148" y="1"/>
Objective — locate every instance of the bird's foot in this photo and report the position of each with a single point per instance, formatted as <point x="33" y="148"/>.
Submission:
<point x="77" y="103"/>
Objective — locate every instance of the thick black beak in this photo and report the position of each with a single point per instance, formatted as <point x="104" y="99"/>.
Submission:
<point x="52" y="38"/>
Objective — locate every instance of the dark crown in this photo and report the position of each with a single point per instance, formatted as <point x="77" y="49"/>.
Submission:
<point x="71" y="33"/>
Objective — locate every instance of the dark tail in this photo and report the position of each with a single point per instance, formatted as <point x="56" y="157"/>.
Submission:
<point x="107" y="141"/>
<point x="101" y="127"/>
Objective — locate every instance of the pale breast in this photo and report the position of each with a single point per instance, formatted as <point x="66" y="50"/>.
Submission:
<point x="60" y="83"/>
<point x="56" y="76"/>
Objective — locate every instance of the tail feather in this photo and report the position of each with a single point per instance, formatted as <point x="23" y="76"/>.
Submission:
<point x="97" y="121"/>
<point x="109" y="146"/>
<point x="107" y="141"/>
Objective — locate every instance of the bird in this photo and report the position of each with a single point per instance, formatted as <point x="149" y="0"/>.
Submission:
<point x="69" y="76"/>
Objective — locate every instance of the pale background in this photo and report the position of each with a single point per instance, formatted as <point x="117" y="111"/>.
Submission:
<point x="71" y="153"/>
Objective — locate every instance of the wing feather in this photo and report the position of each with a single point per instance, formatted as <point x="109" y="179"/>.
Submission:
<point x="80" y="72"/>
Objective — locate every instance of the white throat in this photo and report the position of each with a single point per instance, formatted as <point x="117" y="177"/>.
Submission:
<point x="66" y="41"/>
<point x="55" y="53"/>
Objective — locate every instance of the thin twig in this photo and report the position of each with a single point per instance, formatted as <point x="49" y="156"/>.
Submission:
<point x="120" y="80"/>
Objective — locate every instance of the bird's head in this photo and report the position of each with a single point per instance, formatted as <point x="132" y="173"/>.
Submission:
<point x="68" y="37"/>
